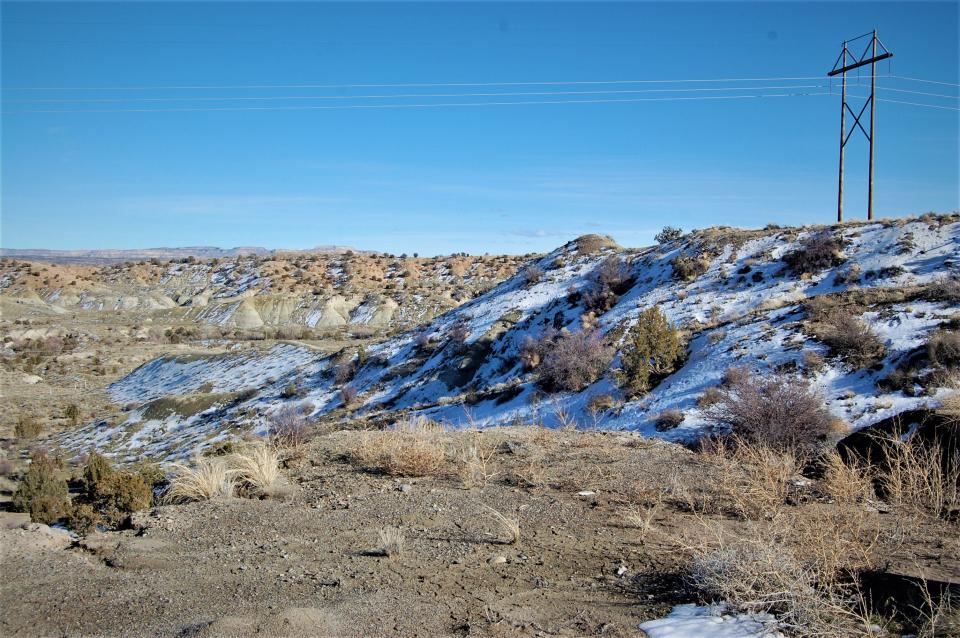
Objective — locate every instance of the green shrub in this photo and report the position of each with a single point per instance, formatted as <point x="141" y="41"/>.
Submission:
<point x="119" y="494"/>
<point x="43" y="492"/>
<point x="668" y="234"/>
<point x="83" y="519"/>
<point x="27" y="428"/>
<point x="654" y="346"/>
<point x="97" y="468"/>
<point x="289" y="391"/>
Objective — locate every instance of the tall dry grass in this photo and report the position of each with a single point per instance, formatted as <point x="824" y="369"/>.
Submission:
<point x="257" y="469"/>
<point x="411" y="448"/>
<point x="206" y="479"/>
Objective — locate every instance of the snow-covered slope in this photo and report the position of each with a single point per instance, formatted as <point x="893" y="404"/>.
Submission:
<point x="745" y="309"/>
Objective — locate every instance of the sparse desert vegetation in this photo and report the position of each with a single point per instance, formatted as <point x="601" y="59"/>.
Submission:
<point x="725" y="418"/>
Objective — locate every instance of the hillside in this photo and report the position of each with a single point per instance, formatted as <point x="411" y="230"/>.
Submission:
<point x="101" y="256"/>
<point x="252" y="292"/>
<point x="761" y="299"/>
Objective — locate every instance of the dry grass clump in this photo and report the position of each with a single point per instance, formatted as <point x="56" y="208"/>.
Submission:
<point x="689" y="267"/>
<point x="509" y="527"/>
<point x="815" y="253"/>
<point x="782" y="412"/>
<point x="207" y="479"/>
<point x="411" y="448"/>
<point x="846" y="334"/>
<point x="391" y="542"/>
<point x="748" y="479"/>
<point x="257" y="470"/>
<point x="944" y="348"/>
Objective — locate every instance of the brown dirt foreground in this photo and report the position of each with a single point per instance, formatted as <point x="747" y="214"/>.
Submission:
<point x="307" y="566"/>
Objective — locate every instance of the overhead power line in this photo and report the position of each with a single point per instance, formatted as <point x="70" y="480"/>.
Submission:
<point x="399" y="95"/>
<point x="901" y="77"/>
<point x="410" y="106"/>
<point x="391" y="85"/>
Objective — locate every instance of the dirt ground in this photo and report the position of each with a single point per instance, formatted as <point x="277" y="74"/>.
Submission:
<point x="305" y="564"/>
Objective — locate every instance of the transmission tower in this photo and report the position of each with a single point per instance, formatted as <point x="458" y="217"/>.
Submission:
<point x="848" y="61"/>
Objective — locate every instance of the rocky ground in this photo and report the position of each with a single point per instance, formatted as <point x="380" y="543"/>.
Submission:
<point x="605" y="543"/>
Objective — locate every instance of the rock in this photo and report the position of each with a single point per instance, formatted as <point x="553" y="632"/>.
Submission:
<point x="621" y="570"/>
<point x="405" y="488"/>
<point x="586" y="493"/>
<point x="31" y="379"/>
<point x="493" y="559"/>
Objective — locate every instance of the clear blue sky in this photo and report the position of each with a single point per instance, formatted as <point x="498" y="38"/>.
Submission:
<point x="438" y="180"/>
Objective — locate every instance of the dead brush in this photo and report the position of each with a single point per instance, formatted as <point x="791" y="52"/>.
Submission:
<point x="411" y="448"/>
<point x="846" y="484"/>
<point x="532" y="473"/>
<point x="920" y="475"/>
<point x="207" y="479"/>
<point x="749" y="479"/>
<point x="509" y="527"/>
<point x="757" y="573"/>
<point x="474" y="466"/>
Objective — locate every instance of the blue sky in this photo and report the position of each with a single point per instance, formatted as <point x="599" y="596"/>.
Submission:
<point x="472" y="178"/>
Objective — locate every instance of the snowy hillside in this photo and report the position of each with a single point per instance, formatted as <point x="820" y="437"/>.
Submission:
<point x="741" y="306"/>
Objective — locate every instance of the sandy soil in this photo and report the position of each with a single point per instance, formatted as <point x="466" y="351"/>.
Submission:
<point x="306" y="564"/>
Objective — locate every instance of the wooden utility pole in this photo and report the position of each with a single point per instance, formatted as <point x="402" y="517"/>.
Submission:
<point x="846" y="61"/>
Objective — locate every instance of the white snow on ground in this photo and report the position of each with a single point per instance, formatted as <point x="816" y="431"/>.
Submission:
<point x="692" y="621"/>
<point x="745" y="310"/>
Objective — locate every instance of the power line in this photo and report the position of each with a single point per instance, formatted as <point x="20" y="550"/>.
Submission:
<point x="410" y="106"/>
<point x="952" y="97"/>
<point x="901" y="77"/>
<point x="390" y="85"/>
<point x="400" y="95"/>
<point x="883" y="99"/>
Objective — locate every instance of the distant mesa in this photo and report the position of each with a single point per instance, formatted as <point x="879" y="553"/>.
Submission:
<point x="106" y="255"/>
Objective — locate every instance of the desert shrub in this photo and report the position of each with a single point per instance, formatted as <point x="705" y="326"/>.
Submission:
<point x="72" y="414"/>
<point x="653" y="348"/>
<point x="812" y="360"/>
<point x="668" y="234"/>
<point x="601" y="403"/>
<point x="458" y="335"/>
<point x="782" y="412"/>
<point x="288" y="427"/>
<point x="43" y="491"/>
<point x="83" y="519"/>
<point x="348" y="394"/>
<point x="423" y="341"/>
<point x="573" y="360"/>
<point x="815" y="253"/>
<point x="709" y="397"/>
<point x="610" y="280"/>
<point x="532" y="274"/>
<point x="119" y="494"/>
<point x="97" y="468"/>
<point x="734" y="375"/>
<point x="668" y="420"/>
<point x="411" y="448"/>
<point x="689" y="267"/>
<point x="344" y="372"/>
<point x="206" y="479"/>
<point x="289" y="391"/>
<point x="27" y="427"/>
<point x="530" y="353"/>
<point x="943" y="348"/>
<point x="847" y="336"/>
